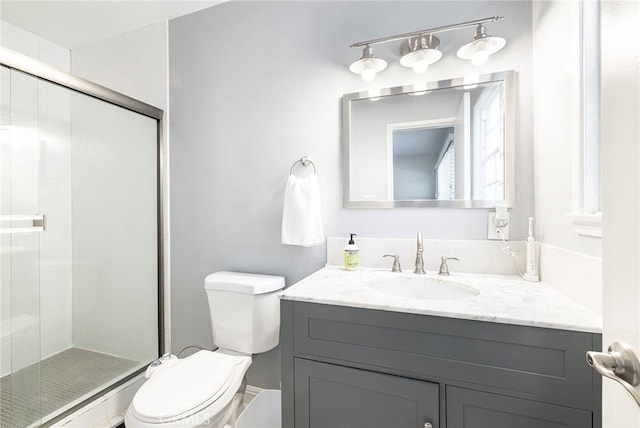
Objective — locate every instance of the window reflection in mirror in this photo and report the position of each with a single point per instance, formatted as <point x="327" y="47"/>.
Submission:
<point x="444" y="143"/>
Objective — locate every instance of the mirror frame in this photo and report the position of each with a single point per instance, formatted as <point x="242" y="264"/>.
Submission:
<point x="508" y="77"/>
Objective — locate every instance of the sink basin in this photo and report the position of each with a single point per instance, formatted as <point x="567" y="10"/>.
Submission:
<point x="426" y="288"/>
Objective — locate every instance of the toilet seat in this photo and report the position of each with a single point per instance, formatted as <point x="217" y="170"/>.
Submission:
<point x="188" y="386"/>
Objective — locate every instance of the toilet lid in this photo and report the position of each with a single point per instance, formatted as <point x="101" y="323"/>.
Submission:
<point x="185" y="387"/>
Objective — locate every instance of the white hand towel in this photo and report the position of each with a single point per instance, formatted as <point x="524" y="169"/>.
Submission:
<point x="302" y="214"/>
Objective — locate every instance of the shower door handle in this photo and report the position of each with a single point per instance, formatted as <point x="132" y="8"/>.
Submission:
<point x="27" y="223"/>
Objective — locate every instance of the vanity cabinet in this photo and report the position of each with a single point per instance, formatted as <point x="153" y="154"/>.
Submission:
<point x="353" y="367"/>
<point x="334" y="396"/>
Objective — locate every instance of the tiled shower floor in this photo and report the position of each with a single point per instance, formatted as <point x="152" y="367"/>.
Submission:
<point x="60" y="380"/>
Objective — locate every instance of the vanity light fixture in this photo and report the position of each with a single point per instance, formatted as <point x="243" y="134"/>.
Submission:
<point x="368" y="65"/>
<point x="481" y="47"/>
<point x="421" y="48"/>
<point x="420" y="52"/>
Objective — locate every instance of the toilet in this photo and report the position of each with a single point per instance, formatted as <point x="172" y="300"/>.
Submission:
<point x="206" y="389"/>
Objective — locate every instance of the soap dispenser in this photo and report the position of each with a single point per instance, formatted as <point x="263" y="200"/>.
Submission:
<point x="351" y="255"/>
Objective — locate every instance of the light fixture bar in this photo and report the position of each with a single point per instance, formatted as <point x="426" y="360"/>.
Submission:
<point x="428" y="31"/>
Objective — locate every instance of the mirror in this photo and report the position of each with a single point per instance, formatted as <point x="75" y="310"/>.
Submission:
<point x="437" y="144"/>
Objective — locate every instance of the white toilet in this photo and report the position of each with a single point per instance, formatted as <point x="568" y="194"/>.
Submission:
<point x="206" y="388"/>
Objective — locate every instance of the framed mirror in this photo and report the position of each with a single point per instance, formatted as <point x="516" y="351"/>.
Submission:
<point x="436" y="144"/>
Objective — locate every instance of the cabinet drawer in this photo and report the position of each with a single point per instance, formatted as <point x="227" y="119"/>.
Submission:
<point x="543" y="363"/>
<point x="330" y="396"/>
<point x="474" y="409"/>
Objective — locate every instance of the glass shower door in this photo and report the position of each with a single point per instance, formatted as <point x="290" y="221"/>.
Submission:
<point x="20" y="231"/>
<point x="78" y="247"/>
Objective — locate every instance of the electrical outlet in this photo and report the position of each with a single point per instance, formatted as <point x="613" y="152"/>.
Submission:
<point x="494" y="232"/>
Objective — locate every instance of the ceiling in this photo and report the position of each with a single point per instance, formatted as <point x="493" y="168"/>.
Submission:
<point x="73" y="24"/>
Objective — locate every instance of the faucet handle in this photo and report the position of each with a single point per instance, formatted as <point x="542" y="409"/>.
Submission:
<point x="396" y="262"/>
<point x="444" y="268"/>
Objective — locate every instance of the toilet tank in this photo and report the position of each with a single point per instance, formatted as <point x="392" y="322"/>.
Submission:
<point x="245" y="310"/>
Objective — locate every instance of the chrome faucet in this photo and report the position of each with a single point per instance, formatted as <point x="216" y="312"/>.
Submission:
<point x="419" y="261"/>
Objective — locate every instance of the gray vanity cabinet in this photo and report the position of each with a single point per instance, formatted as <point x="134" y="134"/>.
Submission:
<point x="332" y="396"/>
<point x="353" y="367"/>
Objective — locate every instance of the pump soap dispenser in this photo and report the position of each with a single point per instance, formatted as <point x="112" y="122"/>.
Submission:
<point x="351" y="255"/>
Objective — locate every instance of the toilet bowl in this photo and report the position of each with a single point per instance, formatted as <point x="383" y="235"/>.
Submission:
<point x="206" y="389"/>
<point x="197" y="391"/>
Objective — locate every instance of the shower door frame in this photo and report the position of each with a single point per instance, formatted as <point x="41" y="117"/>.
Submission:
<point x="22" y="63"/>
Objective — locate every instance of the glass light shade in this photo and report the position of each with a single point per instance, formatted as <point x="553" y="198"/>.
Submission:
<point x="368" y="66"/>
<point x="420" y="59"/>
<point x="479" y="50"/>
<point x="375" y="64"/>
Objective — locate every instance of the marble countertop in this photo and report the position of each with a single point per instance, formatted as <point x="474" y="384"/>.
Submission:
<point x="502" y="298"/>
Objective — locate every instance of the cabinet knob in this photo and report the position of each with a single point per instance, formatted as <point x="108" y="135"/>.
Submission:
<point x="428" y="425"/>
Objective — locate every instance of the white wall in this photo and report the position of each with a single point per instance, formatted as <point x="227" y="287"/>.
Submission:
<point x="569" y="261"/>
<point x="54" y="128"/>
<point x="136" y="64"/>
<point x="133" y="63"/>
<point x="36" y="300"/>
<point x="19" y="40"/>
<point x="257" y="85"/>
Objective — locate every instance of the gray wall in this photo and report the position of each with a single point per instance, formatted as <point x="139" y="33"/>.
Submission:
<point x="255" y="86"/>
<point x="414" y="177"/>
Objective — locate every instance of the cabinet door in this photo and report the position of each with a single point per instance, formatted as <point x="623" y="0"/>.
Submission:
<point x="330" y="396"/>
<point x="474" y="409"/>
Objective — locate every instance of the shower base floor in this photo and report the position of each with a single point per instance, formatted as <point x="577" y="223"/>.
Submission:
<point x="60" y="379"/>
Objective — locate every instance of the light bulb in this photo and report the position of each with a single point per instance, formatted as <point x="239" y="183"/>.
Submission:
<point x="480" y="57"/>
<point x="420" y="66"/>
<point x="368" y="71"/>
<point x="368" y="75"/>
<point x="373" y="94"/>
<point x="470" y="82"/>
<point x="480" y="54"/>
<point x="419" y="89"/>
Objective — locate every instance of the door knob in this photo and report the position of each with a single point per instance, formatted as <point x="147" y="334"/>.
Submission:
<point x="620" y="364"/>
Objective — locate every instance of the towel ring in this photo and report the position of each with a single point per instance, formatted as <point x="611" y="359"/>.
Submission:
<point x="304" y="161"/>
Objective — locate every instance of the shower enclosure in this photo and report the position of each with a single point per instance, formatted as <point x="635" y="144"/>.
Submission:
<point x="80" y="271"/>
